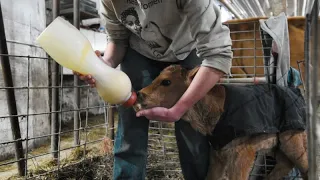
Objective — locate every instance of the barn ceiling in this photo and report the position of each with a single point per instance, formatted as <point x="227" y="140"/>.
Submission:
<point x="257" y="8"/>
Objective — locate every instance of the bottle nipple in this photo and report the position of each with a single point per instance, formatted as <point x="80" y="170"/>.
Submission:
<point x="132" y="99"/>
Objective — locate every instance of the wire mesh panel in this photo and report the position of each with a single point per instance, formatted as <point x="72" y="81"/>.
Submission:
<point x="252" y="51"/>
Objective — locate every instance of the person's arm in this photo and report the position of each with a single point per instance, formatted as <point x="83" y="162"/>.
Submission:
<point x="114" y="54"/>
<point x="117" y="40"/>
<point x="213" y="45"/>
<point x="117" y="35"/>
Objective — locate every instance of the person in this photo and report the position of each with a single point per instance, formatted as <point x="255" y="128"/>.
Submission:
<point x="144" y="37"/>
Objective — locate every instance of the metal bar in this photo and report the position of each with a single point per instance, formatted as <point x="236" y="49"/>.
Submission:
<point x="238" y="32"/>
<point x="231" y="9"/>
<point x="236" y="4"/>
<point x="42" y="87"/>
<point x="11" y="101"/>
<point x="22" y="43"/>
<point x="304" y="6"/>
<point x="43" y="113"/>
<point x="27" y="118"/>
<point x="310" y="6"/>
<point x="242" y="22"/>
<point x="295" y="7"/>
<point x="313" y="87"/>
<point x="237" y="57"/>
<point x="309" y="123"/>
<point x="267" y="4"/>
<point x="85" y="127"/>
<point x="163" y="128"/>
<point x="248" y="5"/>
<point x="254" y="45"/>
<point x="60" y="119"/>
<point x="105" y="116"/>
<point x="61" y="133"/>
<point x="244" y="80"/>
<point x="315" y="81"/>
<point x="260" y="8"/>
<point x="55" y="93"/>
<point x="76" y="114"/>
<point x="76" y="13"/>
<point x="251" y="66"/>
<point x="23" y="56"/>
<point x="110" y="123"/>
<point x="163" y="147"/>
<point x="284" y="6"/>
<point x="260" y="48"/>
<point x="245" y="40"/>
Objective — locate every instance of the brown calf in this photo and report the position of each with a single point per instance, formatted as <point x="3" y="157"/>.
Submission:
<point x="235" y="159"/>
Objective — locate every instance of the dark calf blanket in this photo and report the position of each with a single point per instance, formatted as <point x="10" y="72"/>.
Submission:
<point x="263" y="108"/>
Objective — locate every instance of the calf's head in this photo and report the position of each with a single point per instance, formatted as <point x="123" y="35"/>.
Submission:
<point x="166" y="89"/>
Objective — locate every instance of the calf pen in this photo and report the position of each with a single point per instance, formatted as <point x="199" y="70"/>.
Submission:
<point x="83" y="149"/>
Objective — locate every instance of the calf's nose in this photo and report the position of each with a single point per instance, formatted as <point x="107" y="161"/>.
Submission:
<point x="140" y="95"/>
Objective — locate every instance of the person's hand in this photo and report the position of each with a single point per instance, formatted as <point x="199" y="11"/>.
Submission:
<point x="162" y="114"/>
<point x="88" y="78"/>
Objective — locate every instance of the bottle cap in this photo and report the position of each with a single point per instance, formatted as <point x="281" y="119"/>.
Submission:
<point x="132" y="99"/>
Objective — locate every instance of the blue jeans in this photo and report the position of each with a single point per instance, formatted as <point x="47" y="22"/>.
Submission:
<point x="131" y="141"/>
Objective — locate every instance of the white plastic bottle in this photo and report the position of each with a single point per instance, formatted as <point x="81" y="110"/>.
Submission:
<point x="71" y="49"/>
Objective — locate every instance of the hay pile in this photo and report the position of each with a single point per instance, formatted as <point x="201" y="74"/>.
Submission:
<point x="101" y="168"/>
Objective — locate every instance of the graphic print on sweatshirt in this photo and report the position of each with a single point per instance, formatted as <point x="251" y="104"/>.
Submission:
<point x="150" y="32"/>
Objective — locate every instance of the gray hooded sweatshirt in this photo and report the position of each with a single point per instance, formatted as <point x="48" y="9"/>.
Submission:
<point x="168" y="30"/>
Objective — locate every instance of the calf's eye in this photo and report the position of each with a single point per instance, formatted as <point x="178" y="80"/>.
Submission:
<point x="165" y="82"/>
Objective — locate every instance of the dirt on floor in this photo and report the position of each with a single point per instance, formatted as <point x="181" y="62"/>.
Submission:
<point x="101" y="168"/>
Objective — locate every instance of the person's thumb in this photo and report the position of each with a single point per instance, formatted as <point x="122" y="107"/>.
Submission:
<point x="98" y="53"/>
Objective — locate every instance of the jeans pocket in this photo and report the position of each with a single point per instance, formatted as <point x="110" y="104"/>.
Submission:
<point x="141" y="80"/>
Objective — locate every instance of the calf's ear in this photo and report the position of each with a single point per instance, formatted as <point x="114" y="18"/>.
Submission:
<point x="191" y="74"/>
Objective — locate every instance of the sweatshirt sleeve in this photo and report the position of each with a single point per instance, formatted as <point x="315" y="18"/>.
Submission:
<point x="213" y="41"/>
<point x="115" y="30"/>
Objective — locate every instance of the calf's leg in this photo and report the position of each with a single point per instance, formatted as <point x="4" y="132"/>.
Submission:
<point x="294" y="145"/>
<point x="241" y="166"/>
<point x="218" y="165"/>
<point x="281" y="169"/>
<point x="233" y="162"/>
